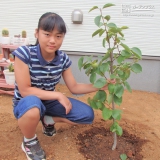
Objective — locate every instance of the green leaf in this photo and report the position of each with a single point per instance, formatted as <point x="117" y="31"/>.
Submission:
<point x="120" y="59"/>
<point x="108" y="5"/>
<point x="111" y="25"/>
<point x="123" y="157"/>
<point x="126" y="74"/>
<point x="119" y="90"/>
<point x="106" y="113"/>
<point x="100" y="33"/>
<point x="110" y="34"/>
<point x="101" y="82"/>
<point x="124" y="27"/>
<point x="116" y="128"/>
<point x="119" y="130"/>
<point x="101" y="24"/>
<point x="125" y="53"/>
<point x="96" y="32"/>
<point x="104" y="67"/>
<point x="100" y="105"/>
<point x="121" y="33"/>
<point x="113" y="30"/>
<point x="100" y="95"/>
<point x="119" y="72"/>
<point x="111" y="88"/>
<point x="117" y="100"/>
<point x="125" y="47"/>
<point x="104" y="42"/>
<point x="107" y="17"/>
<point x="117" y="40"/>
<point x="110" y="50"/>
<point x="137" y="52"/>
<point x="80" y="62"/>
<point x="93" y="8"/>
<point x="88" y="70"/>
<point x="89" y="58"/>
<point x="116" y="114"/>
<point x="95" y="97"/>
<point x="109" y="98"/>
<point x="93" y="104"/>
<point x="136" y="68"/>
<point x="86" y="65"/>
<point x="106" y="56"/>
<point x="128" y="86"/>
<point x="97" y="20"/>
<point x="89" y="101"/>
<point x="113" y="127"/>
<point x="93" y="77"/>
<point x="120" y="38"/>
<point x="98" y="71"/>
<point x="113" y="76"/>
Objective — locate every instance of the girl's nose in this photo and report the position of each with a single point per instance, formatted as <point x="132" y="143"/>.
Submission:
<point x="52" y="39"/>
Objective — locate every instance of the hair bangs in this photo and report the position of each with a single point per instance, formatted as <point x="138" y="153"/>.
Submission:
<point x="52" y="22"/>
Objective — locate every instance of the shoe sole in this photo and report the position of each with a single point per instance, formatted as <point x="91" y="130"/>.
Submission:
<point x="22" y="146"/>
<point x="48" y="135"/>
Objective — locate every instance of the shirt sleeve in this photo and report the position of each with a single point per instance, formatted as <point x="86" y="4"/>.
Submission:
<point x="22" y="53"/>
<point x="66" y="62"/>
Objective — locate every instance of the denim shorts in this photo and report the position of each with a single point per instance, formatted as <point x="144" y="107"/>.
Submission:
<point x="80" y="113"/>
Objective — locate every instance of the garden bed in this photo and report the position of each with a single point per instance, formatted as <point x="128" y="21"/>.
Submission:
<point x="140" y="121"/>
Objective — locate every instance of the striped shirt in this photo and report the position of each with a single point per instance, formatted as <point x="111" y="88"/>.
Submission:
<point x="44" y="75"/>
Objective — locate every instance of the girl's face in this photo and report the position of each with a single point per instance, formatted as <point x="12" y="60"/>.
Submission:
<point x="49" y="41"/>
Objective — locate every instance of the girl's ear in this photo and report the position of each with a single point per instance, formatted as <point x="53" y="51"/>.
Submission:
<point x="36" y="33"/>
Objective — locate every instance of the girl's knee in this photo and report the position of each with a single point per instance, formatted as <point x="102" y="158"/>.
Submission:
<point x="90" y="115"/>
<point x="29" y="106"/>
<point x="32" y="113"/>
<point x="87" y="117"/>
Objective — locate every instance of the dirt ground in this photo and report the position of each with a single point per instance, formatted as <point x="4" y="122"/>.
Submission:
<point x="140" y="121"/>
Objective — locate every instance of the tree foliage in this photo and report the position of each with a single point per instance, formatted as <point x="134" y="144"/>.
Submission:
<point x="113" y="63"/>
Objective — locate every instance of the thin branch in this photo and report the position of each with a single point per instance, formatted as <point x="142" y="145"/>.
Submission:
<point x="105" y="29"/>
<point x="118" y="49"/>
<point x="104" y="75"/>
<point x="108" y="106"/>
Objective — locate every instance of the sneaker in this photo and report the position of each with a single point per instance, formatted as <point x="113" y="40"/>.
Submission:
<point x="33" y="150"/>
<point x="48" y="130"/>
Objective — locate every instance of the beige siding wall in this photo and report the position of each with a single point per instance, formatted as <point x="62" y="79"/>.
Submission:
<point x="144" y="32"/>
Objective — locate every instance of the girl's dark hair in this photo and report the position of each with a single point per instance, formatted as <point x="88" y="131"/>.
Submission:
<point x="49" y="21"/>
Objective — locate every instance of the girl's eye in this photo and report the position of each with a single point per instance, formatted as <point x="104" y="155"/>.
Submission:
<point x="59" y="36"/>
<point x="46" y="34"/>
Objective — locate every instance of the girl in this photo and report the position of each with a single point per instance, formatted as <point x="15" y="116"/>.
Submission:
<point x="37" y="70"/>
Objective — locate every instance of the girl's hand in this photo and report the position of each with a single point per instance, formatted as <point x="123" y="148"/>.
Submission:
<point x="65" y="102"/>
<point x="112" y="81"/>
<point x="109" y="81"/>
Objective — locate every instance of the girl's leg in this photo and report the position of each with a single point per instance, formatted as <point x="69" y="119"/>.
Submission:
<point x="28" y="122"/>
<point x="80" y="113"/>
<point x="63" y="120"/>
<point x="28" y="112"/>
